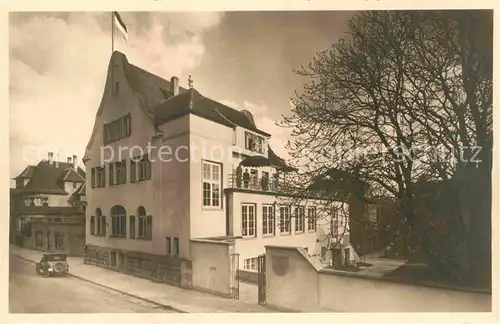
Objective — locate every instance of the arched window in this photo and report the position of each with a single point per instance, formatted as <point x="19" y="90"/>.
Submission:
<point x="145" y="230"/>
<point x="118" y="221"/>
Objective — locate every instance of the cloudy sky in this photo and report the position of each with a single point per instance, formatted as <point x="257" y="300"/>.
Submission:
<point x="245" y="59"/>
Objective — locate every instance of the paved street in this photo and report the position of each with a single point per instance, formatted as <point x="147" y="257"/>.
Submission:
<point x="31" y="293"/>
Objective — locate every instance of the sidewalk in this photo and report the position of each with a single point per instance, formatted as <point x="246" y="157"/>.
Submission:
<point x="170" y="297"/>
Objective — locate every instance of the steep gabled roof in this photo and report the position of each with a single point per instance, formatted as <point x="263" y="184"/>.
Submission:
<point x="160" y="104"/>
<point x="191" y="101"/>
<point x="50" y="177"/>
<point x="27" y="173"/>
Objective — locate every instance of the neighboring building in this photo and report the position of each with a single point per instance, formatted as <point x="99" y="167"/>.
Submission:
<point x="48" y="207"/>
<point x="220" y="184"/>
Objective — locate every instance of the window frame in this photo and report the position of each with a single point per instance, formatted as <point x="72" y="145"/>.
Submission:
<point x="118" y="222"/>
<point x="285" y="221"/>
<point x="98" y="177"/>
<point x="246" y="233"/>
<point x="300" y="220"/>
<point x="211" y="183"/>
<point x="309" y="221"/>
<point x="268" y="220"/>
<point x="254" y="142"/>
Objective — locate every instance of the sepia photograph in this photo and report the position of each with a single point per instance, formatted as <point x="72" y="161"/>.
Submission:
<point x="250" y="161"/>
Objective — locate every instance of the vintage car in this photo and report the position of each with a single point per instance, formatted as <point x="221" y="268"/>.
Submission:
<point x="53" y="264"/>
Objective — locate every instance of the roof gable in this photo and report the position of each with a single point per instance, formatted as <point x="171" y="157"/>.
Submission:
<point x="72" y="175"/>
<point x="50" y="177"/>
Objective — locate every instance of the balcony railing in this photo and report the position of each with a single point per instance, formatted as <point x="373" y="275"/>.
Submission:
<point x="265" y="184"/>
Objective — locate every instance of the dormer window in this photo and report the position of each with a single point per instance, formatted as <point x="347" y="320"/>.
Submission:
<point x="254" y="142"/>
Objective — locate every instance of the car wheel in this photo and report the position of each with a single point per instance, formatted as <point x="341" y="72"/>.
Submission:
<point x="46" y="274"/>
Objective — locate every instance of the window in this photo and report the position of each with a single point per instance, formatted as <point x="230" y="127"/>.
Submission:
<point x="211" y="184"/>
<point x="234" y="136"/>
<point x="101" y="222"/>
<point x="248" y="220"/>
<point x="38" y="239"/>
<point x="268" y="220"/>
<point x="145" y="231"/>
<point x="254" y="142"/>
<point x="250" y="264"/>
<point x="285" y="219"/>
<point x="176" y="246"/>
<point x="311" y="219"/>
<point x="98" y="177"/>
<point x="117" y="129"/>
<point x="92" y="225"/>
<point x="140" y="168"/>
<point x="168" y="245"/>
<point x="118" y="221"/>
<point x="75" y="184"/>
<point x="299" y="219"/>
<point x="59" y="241"/>
<point x="118" y="173"/>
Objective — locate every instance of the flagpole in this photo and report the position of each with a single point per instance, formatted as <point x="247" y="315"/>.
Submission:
<point x="112" y="51"/>
<point x="112" y="33"/>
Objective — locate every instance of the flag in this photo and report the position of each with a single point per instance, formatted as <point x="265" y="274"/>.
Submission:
<point x="120" y="25"/>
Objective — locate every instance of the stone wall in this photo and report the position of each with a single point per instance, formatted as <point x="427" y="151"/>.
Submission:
<point x="166" y="269"/>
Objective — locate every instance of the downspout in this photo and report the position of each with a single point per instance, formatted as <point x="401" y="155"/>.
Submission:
<point x="158" y="136"/>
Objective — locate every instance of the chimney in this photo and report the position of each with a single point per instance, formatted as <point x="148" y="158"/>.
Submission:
<point x="75" y="165"/>
<point x="69" y="160"/>
<point x="51" y="157"/>
<point x="174" y="85"/>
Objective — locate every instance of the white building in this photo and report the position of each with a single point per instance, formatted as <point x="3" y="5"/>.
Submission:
<point x="145" y="216"/>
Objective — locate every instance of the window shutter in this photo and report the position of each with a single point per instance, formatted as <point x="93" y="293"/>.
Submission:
<point x="149" y="227"/>
<point x="111" y="174"/>
<point x="148" y="168"/>
<point x="92" y="225"/>
<point x="92" y="178"/>
<point x="103" y="177"/>
<point x="133" y="171"/>
<point x="103" y="226"/>
<point x="123" y="225"/>
<point x="132" y="227"/>
<point x="124" y="171"/>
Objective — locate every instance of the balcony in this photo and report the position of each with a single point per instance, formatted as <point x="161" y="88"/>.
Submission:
<point x="262" y="184"/>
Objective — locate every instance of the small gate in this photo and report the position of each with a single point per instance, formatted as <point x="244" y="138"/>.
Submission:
<point x="261" y="267"/>
<point x="234" y="275"/>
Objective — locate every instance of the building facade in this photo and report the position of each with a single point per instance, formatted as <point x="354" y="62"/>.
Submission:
<point x="48" y="207"/>
<point x="168" y="166"/>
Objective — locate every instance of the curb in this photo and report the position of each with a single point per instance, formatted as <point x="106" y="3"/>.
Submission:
<point x="167" y="307"/>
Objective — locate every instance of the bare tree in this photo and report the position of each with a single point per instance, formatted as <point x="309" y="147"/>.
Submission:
<point x="383" y="102"/>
